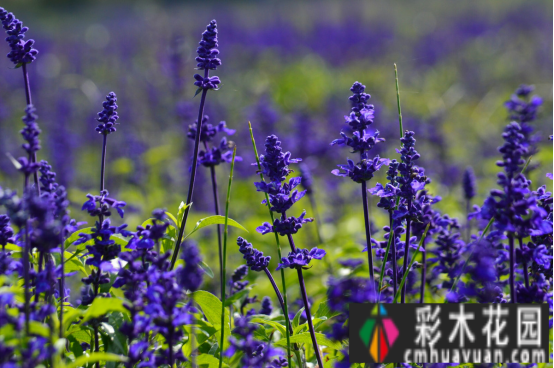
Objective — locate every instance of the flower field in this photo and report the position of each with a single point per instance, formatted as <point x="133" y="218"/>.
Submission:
<point x="211" y="185"/>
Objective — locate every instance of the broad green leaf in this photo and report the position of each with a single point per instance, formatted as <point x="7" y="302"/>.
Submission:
<point x="214" y="220"/>
<point x="188" y="346"/>
<point x="38" y="328"/>
<point x="282" y="329"/>
<point x="96" y="357"/>
<point x="211" y="306"/>
<point x="12" y="247"/>
<point x="101" y="306"/>
<point x="208" y="361"/>
<point x="305" y="338"/>
<point x="204" y="266"/>
<point x="70" y="315"/>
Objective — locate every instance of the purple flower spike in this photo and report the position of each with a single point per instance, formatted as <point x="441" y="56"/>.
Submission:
<point x="207" y="48"/>
<point x="254" y="258"/>
<point x="108" y="116"/>
<point x="22" y="52"/>
<point x="363" y="171"/>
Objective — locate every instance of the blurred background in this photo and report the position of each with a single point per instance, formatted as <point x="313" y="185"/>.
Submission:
<point x="287" y="68"/>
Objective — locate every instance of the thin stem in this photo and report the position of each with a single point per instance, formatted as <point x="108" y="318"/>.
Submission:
<point x="192" y="175"/>
<point x="468" y="222"/>
<point x="423" y="273"/>
<point x="393" y="247"/>
<point x="29" y="100"/>
<point x="224" y="260"/>
<point x="216" y="204"/>
<point x="103" y="163"/>
<point x="306" y="304"/>
<point x="277" y="292"/>
<point x="288" y="330"/>
<point x="368" y="235"/>
<point x="62" y="285"/>
<point x="316" y="215"/>
<point x="26" y="274"/>
<point x="398" y="101"/>
<point x="524" y="264"/>
<point x="512" y="270"/>
<point x="40" y="260"/>
<point x="406" y="250"/>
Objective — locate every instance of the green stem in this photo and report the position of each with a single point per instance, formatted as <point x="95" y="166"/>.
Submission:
<point x="288" y="332"/>
<point x="224" y="260"/>
<point x="401" y="286"/>
<point x="382" y="273"/>
<point x="398" y="101"/>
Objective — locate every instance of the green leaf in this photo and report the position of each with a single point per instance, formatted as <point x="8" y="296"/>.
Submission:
<point x="197" y="92"/>
<point x="323" y="310"/>
<point x="214" y="220"/>
<point x="204" y="266"/>
<point x="181" y="211"/>
<point x="296" y="320"/>
<point x="305" y="338"/>
<point x="101" y="306"/>
<point x="233" y="298"/>
<point x="75" y="236"/>
<point x="172" y="219"/>
<point x="38" y="328"/>
<point x="96" y="357"/>
<point x="208" y="361"/>
<point x="12" y="247"/>
<point x="211" y="306"/>
<point x="282" y="329"/>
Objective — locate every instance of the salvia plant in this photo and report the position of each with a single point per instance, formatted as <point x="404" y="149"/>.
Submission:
<point x="146" y="297"/>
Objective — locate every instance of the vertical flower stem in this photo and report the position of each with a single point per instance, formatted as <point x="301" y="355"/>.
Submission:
<point x="62" y="285"/>
<point x="306" y="304"/>
<point x="192" y="175"/>
<point x="468" y="223"/>
<point x="524" y="264"/>
<point x="216" y="205"/>
<point x="103" y="163"/>
<point x="277" y="292"/>
<point x="30" y="102"/>
<point x="40" y="260"/>
<point x="368" y="236"/>
<point x="288" y="330"/>
<point x="391" y="239"/>
<point x="393" y="245"/>
<point x="224" y="260"/>
<point x="423" y="272"/>
<point x="406" y="251"/>
<point x="26" y="276"/>
<point x="512" y="269"/>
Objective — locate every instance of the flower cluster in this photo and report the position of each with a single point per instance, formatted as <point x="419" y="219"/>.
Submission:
<point x="254" y="258"/>
<point x="22" y="52"/>
<point x="30" y="134"/>
<point x="207" y="57"/>
<point x="523" y="108"/>
<point x="469" y="183"/>
<point x="388" y="193"/>
<point x="108" y="116"/>
<point x="215" y="155"/>
<point x="300" y="258"/>
<point x="362" y="140"/>
<point x="282" y="195"/>
<point x="256" y="353"/>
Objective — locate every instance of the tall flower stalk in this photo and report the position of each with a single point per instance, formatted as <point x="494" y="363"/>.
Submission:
<point x="21" y="53"/>
<point x="206" y="60"/>
<point x="211" y="157"/>
<point x="282" y="196"/>
<point x="224" y="258"/>
<point x="362" y="141"/>
<point x="469" y="186"/>
<point x="104" y="249"/>
<point x="288" y="330"/>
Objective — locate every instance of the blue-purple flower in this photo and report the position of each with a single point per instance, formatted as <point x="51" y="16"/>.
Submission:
<point x="22" y="52"/>
<point x="301" y="258"/>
